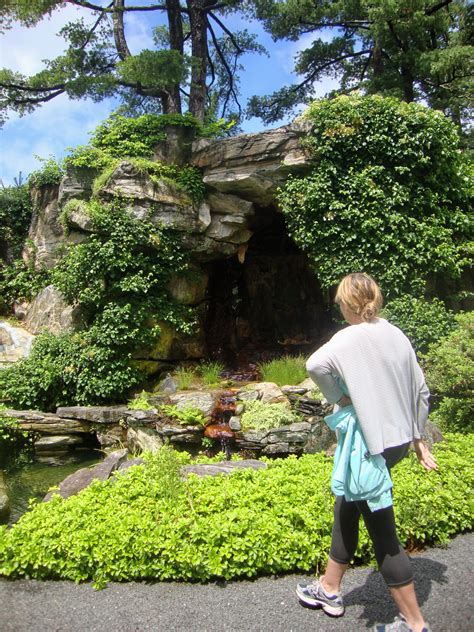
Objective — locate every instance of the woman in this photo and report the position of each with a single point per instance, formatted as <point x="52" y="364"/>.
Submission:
<point x="378" y="367"/>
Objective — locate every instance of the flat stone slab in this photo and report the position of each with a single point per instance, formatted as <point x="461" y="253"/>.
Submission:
<point x="224" y="467"/>
<point x="84" y="477"/>
<point x="57" y="442"/>
<point x="96" y="414"/>
<point x="47" y="423"/>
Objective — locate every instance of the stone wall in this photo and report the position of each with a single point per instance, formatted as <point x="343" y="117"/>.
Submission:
<point x="107" y="427"/>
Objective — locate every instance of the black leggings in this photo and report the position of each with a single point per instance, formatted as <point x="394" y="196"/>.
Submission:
<point x="393" y="562"/>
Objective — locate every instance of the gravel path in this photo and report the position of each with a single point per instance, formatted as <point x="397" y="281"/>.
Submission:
<point x="444" y="579"/>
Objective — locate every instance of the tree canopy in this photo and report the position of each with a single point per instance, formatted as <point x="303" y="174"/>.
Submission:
<point x="411" y="49"/>
<point x="416" y="50"/>
<point x="195" y="59"/>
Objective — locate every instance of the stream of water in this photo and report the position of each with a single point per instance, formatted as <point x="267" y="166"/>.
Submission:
<point x="34" y="480"/>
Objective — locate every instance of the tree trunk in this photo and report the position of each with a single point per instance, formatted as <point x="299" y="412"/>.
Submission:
<point x="377" y="60"/>
<point x="407" y="82"/>
<point x="175" y="24"/>
<point x="119" y="30"/>
<point x="198" y="22"/>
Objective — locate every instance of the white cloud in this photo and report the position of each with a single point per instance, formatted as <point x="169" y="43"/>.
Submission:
<point x="57" y="125"/>
<point x="50" y="130"/>
<point x="23" y="49"/>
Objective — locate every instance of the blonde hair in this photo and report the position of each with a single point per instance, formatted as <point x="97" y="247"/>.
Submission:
<point x="361" y="294"/>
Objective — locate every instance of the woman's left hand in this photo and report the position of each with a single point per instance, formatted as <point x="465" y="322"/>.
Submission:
<point x="424" y="455"/>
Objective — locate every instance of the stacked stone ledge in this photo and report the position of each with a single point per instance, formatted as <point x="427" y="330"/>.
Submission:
<point x="139" y="430"/>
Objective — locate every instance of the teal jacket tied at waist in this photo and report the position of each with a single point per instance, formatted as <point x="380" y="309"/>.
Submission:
<point x="357" y="475"/>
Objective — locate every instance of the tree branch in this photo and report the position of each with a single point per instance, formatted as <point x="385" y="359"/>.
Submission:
<point x="229" y="33"/>
<point x="23" y="88"/>
<point x="395" y="36"/>
<point x="95" y="7"/>
<point x="327" y="65"/>
<point x="32" y="101"/>
<point x="358" y="24"/>
<point x="231" y="90"/>
<point x="437" y="7"/>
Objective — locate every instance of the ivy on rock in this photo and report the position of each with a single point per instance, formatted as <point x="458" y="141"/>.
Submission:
<point x="388" y="193"/>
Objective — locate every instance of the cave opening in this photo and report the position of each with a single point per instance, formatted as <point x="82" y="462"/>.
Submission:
<point x="266" y="301"/>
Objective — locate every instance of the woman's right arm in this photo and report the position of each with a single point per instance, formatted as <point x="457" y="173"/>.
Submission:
<point x="321" y="369"/>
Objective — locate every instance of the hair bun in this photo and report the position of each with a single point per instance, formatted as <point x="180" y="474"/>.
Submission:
<point x="369" y="311"/>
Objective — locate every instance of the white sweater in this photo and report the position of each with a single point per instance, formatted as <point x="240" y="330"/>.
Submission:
<point x="384" y="380"/>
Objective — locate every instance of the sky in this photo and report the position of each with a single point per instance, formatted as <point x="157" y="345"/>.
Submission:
<point x="63" y="123"/>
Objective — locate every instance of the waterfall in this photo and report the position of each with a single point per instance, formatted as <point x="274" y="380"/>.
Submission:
<point x="15" y="343"/>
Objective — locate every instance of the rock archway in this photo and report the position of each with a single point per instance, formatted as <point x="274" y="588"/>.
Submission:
<point x="265" y="300"/>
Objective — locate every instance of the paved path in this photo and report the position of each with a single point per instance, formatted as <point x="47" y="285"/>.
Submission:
<point x="444" y="579"/>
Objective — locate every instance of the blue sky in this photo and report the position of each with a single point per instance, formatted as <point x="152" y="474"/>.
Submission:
<point x="63" y="123"/>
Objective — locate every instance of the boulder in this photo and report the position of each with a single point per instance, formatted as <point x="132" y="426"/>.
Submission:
<point x="50" y="311"/>
<point x="174" y="345"/>
<point x="83" y="477"/>
<point x="183" y="434"/>
<point x="204" y="402"/>
<point x="267" y="392"/>
<point x="234" y="423"/>
<point x="46" y="235"/>
<point x="252" y="166"/>
<point x="76" y="184"/>
<point x="223" y="467"/>
<point x="307" y="384"/>
<point x="111" y="436"/>
<point x="161" y="201"/>
<point x="143" y="439"/>
<point x="189" y="289"/>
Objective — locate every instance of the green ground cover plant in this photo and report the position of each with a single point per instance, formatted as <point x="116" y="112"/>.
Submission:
<point x="285" y="371"/>
<point x="264" y="416"/>
<point x="388" y="193"/>
<point x="186" y="416"/>
<point x="449" y="368"/>
<point x="149" y="524"/>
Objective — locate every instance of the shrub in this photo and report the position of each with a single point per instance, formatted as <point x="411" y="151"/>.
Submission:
<point x="386" y="194"/>
<point x="15" y="216"/>
<point x="262" y="416"/>
<point x="20" y="281"/>
<point x="16" y="444"/>
<point x="285" y="371"/>
<point x="50" y="173"/>
<point x="210" y="372"/>
<point x="148" y="524"/>
<point x="140" y="402"/>
<point x="422" y="321"/>
<point x="120" y="278"/>
<point x="449" y="366"/>
<point x="68" y="369"/>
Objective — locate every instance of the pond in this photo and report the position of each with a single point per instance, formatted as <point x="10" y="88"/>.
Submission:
<point x="34" y="479"/>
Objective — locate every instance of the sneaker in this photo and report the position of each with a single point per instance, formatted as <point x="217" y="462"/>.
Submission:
<point x="313" y="594"/>
<point x="399" y="625"/>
